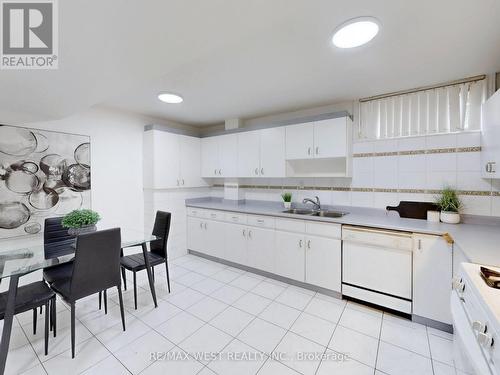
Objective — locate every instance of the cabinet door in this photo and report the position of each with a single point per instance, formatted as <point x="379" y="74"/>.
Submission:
<point x="330" y="138"/>
<point x="249" y="154"/>
<point x="299" y="141"/>
<point x="432" y="274"/>
<point x="166" y="160"/>
<point x="289" y="259"/>
<point x="260" y="247"/>
<point x="228" y="154"/>
<point x="209" y="157"/>
<point x="195" y="234"/>
<point x="272" y="152"/>
<point x="214" y="238"/>
<point x="235" y="243"/>
<point x="490" y="137"/>
<point x="190" y="156"/>
<point x="323" y="262"/>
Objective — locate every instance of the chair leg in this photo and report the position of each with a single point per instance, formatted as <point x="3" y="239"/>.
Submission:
<point x="100" y="300"/>
<point x="105" y="301"/>
<point x="120" y="297"/>
<point x="168" y="276"/>
<point x="34" y="320"/>
<point x="124" y="278"/>
<point x="135" y="290"/>
<point x="48" y="312"/>
<point x="72" y="330"/>
<point x="54" y="316"/>
<point x="153" y="272"/>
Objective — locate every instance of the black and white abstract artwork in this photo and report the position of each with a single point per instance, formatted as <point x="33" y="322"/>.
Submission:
<point x="42" y="174"/>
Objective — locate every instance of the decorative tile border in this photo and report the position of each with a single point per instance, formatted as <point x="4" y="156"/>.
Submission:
<point x="418" y="152"/>
<point x="478" y="193"/>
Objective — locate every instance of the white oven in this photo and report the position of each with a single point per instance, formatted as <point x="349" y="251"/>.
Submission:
<point x="377" y="266"/>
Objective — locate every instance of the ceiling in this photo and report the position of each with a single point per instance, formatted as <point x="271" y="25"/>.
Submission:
<point x="243" y="59"/>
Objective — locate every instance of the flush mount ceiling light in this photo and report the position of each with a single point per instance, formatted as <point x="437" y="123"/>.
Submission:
<point x="170" y="98"/>
<point x="355" y="32"/>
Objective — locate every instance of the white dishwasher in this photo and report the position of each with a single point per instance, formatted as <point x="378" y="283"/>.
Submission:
<point x="377" y="267"/>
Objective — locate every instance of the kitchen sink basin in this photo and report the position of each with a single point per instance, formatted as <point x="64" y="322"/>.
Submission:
<point x="299" y="212"/>
<point x="321" y="213"/>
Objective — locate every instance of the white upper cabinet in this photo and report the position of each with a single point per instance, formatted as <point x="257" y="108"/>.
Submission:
<point x="228" y="151"/>
<point x="171" y="160"/>
<point x="249" y="154"/>
<point x="330" y="138"/>
<point x="218" y="156"/>
<point x="190" y="156"/>
<point x="300" y="141"/>
<point x="490" y="137"/>
<point x="261" y="153"/>
<point x="321" y="139"/>
<point x="272" y="152"/>
<point x="319" y="149"/>
<point x="209" y="157"/>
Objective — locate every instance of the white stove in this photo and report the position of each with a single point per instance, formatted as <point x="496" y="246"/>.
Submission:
<point x="476" y="320"/>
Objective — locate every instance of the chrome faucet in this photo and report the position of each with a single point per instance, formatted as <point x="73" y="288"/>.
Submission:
<point x="317" y="204"/>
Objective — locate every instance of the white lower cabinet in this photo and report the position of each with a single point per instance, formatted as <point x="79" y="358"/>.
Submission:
<point x="260" y="248"/>
<point x="432" y="274"/>
<point x="290" y="255"/>
<point x="323" y="262"/>
<point x="206" y="236"/>
<point x="235" y="248"/>
<point x="195" y="232"/>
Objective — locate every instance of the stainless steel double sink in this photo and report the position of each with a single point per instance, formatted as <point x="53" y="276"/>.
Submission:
<point x="320" y="213"/>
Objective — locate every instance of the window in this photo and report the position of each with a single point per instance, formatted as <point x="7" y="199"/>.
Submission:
<point x="443" y="109"/>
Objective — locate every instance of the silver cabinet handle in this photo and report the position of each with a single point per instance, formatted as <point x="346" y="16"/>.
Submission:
<point x="262" y="171"/>
<point x="309" y="244"/>
<point x="317" y="150"/>
<point x="490" y="167"/>
<point x="220" y="172"/>
<point x="215" y="171"/>
<point x="201" y="225"/>
<point x="260" y="221"/>
<point x="205" y="226"/>
<point x="419" y="244"/>
<point x="249" y="234"/>
<point x="244" y="233"/>
<point x="182" y="182"/>
<point x="309" y="151"/>
<point x="213" y="215"/>
<point x="256" y="171"/>
<point x="300" y="243"/>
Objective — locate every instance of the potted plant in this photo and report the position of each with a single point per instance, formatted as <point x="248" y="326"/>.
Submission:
<point x="287" y="200"/>
<point x="450" y="206"/>
<point x="80" y="221"/>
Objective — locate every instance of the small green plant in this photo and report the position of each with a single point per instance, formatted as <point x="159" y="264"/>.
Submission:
<point x="449" y="201"/>
<point x="80" y="218"/>
<point x="287" y="197"/>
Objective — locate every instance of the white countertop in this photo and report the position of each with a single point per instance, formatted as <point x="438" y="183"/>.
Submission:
<point x="479" y="243"/>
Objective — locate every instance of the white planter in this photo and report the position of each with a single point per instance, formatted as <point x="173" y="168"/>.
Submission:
<point x="287" y="205"/>
<point x="450" y="217"/>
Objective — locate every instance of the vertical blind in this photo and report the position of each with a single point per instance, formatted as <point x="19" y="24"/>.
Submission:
<point x="452" y="108"/>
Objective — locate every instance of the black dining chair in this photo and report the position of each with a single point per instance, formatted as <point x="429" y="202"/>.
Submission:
<point x="96" y="267"/>
<point x="31" y="297"/>
<point x="157" y="255"/>
<point x="57" y="242"/>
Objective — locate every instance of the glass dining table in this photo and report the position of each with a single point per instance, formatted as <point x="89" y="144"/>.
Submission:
<point x="21" y="256"/>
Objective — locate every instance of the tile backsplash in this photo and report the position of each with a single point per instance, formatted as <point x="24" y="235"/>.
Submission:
<point x="388" y="171"/>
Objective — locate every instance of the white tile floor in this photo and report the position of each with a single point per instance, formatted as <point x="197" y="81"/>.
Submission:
<point x="219" y="309"/>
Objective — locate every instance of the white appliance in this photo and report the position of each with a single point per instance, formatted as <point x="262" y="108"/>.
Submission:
<point x="377" y="267"/>
<point x="475" y="308"/>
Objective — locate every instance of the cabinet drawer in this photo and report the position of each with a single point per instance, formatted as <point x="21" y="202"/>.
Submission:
<point x="291" y="225"/>
<point x="324" y="230"/>
<point x="237" y="218"/>
<point x="215" y="215"/>
<point x="196" y="212"/>
<point x="261" y="221"/>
